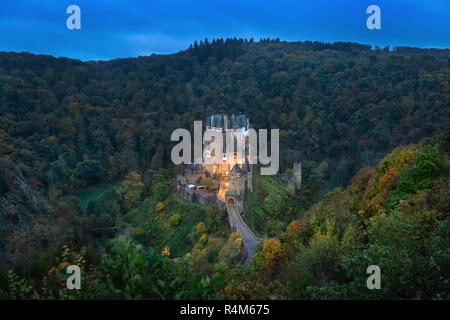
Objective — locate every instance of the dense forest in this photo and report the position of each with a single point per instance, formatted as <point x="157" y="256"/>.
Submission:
<point x="370" y="127"/>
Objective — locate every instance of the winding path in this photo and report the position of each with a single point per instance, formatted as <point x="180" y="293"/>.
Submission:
<point x="249" y="239"/>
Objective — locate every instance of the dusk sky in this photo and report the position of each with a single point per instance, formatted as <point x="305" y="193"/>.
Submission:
<point x="129" y="28"/>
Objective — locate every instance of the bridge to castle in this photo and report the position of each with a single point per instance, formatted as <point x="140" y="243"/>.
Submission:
<point x="249" y="239"/>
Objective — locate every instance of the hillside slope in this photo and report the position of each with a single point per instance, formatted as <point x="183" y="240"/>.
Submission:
<point x="395" y="216"/>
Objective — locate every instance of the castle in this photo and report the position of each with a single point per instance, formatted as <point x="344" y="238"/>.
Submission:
<point x="226" y="182"/>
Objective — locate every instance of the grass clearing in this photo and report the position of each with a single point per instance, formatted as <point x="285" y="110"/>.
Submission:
<point x="85" y="196"/>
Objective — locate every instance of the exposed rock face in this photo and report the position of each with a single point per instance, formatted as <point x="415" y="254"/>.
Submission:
<point x="28" y="224"/>
<point x="16" y="195"/>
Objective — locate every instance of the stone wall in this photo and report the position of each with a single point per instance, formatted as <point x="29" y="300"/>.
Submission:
<point x="186" y="193"/>
<point x="195" y="195"/>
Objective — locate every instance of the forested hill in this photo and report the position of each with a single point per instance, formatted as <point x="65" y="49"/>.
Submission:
<point x="394" y="216"/>
<point x="65" y="124"/>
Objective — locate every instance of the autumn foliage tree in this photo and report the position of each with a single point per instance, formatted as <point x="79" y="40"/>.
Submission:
<point x="132" y="190"/>
<point x="272" y="256"/>
<point x="200" y="228"/>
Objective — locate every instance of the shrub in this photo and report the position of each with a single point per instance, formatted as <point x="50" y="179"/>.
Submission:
<point x="166" y="251"/>
<point x="175" y="219"/>
<point x="200" y="228"/>
<point x="204" y="239"/>
<point x="236" y="237"/>
<point x="159" y="206"/>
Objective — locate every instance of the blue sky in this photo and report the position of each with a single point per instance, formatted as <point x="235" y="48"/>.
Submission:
<point x="129" y="28"/>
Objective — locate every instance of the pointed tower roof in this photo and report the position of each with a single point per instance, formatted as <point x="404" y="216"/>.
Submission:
<point x="236" y="169"/>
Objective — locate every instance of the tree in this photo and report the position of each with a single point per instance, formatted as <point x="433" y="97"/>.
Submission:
<point x="59" y="172"/>
<point x="273" y="204"/>
<point x="160" y="191"/>
<point x="158" y="158"/>
<point x="271" y="257"/>
<point x="229" y="253"/>
<point x="213" y="217"/>
<point x="89" y="171"/>
<point x="132" y="189"/>
<point x="159" y="206"/>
